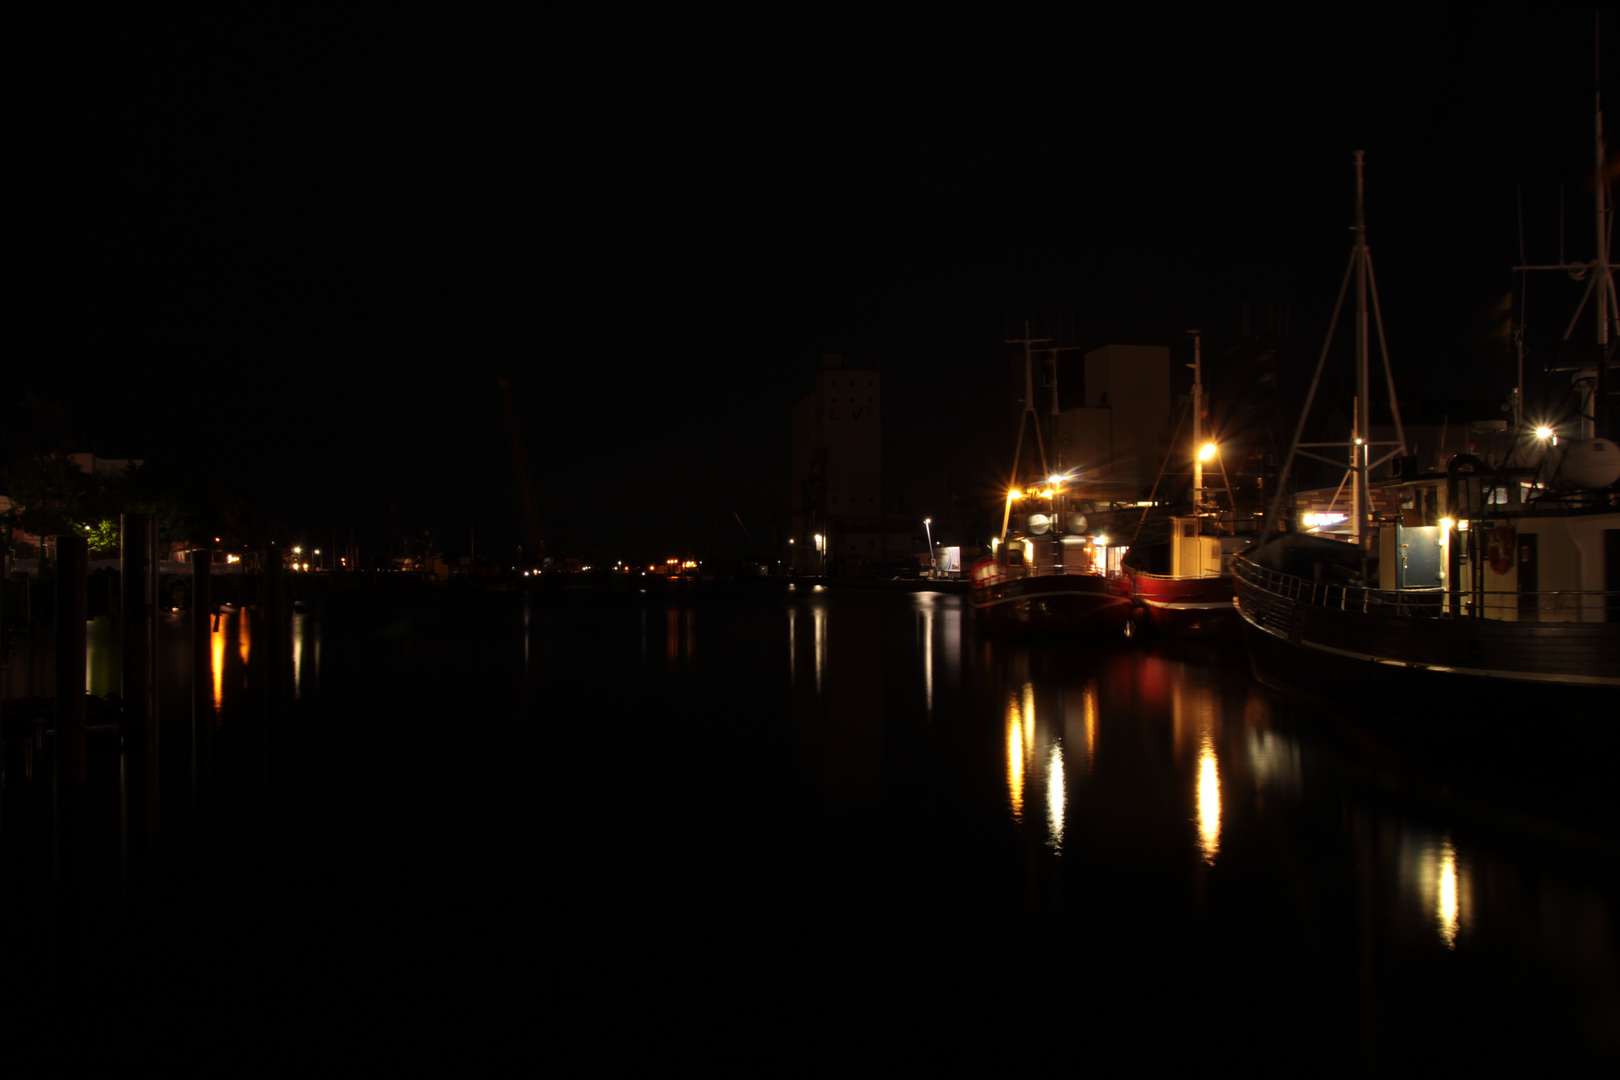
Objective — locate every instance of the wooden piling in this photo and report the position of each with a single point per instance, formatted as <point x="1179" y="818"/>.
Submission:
<point x="202" y="677"/>
<point x="138" y="724"/>
<point x="72" y="596"/>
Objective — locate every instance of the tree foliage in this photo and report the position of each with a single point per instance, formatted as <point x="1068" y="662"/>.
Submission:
<point x="52" y="495"/>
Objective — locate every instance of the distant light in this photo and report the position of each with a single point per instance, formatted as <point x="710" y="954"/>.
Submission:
<point x="1462" y="526"/>
<point x="1101" y="541"/>
<point x="1206" y="451"/>
<point x="928" y="521"/>
<point x="1446" y="524"/>
<point x="1544" y="432"/>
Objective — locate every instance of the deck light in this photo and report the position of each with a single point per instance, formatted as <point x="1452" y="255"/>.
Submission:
<point x="1206" y="452"/>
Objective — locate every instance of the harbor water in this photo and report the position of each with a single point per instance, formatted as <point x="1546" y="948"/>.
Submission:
<point x="754" y="827"/>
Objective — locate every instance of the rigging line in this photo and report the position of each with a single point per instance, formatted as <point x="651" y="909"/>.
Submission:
<point x="1310" y="396"/>
<point x="1383" y="346"/>
<point x="1174" y="436"/>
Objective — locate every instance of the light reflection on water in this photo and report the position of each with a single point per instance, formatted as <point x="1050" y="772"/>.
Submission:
<point x="1057" y="795"/>
<point x="1437" y="885"/>
<point x="1209" y="800"/>
<point x="1153" y="794"/>
<point x="216" y="649"/>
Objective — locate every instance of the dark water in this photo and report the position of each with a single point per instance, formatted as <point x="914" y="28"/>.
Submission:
<point x="754" y="829"/>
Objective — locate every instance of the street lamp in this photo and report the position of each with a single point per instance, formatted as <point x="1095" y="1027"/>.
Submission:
<point x="927" y="526"/>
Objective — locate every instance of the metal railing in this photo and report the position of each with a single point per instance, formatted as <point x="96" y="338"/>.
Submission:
<point x="1550" y="605"/>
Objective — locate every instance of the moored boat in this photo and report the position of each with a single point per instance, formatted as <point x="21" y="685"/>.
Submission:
<point x="1047" y="574"/>
<point x="1179" y="585"/>
<point x="1177" y="575"/>
<point x="1481" y="589"/>
<point x="1047" y="585"/>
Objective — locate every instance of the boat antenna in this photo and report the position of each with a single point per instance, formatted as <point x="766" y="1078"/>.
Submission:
<point x="1599" y="282"/>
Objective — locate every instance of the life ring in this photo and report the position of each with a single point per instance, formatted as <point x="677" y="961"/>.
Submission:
<point x="1500" y="549"/>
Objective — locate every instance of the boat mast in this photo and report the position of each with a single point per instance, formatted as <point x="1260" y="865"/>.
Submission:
<point x="1358" y="444"/>
<point x="1599" y="283"/>
<point x="1593" y="426"/>
<point x="1028" y="415"/>
<point x="1198" y="423"/>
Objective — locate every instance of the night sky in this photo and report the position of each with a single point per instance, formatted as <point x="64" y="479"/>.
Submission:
<point x="299" y="249"/>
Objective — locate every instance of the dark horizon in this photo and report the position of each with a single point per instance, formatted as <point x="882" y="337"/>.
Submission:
<point x="302" y="262"/>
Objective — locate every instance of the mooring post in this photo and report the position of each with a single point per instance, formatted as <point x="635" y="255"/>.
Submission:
<point x="275" y="655"/>
<point x="72" y="565"/>
<point x="202" y="677"/>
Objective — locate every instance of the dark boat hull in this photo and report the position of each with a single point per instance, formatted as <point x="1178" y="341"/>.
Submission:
<point x="1183" y="606"/>
<point x="1393" y="661"/>
<point x="1059" y="603"/>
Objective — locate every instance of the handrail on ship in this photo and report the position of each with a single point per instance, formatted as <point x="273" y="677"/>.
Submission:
<point x="1565" y="605"/>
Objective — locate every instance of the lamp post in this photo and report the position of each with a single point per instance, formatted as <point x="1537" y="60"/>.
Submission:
<point x="928" y="527"/>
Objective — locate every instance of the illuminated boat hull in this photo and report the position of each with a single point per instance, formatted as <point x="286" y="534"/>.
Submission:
<point x="1183" y="606"/>
<point x="1349" y="645"/>
<point x="1049" y="603"/>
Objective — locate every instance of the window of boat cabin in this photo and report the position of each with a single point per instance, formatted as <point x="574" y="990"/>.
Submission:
<point x="1015" y="556"/>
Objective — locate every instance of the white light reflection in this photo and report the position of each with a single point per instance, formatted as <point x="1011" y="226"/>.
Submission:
<point x="925" y="606"/>
<point x="793" y="647"/>
<point x="1446" y="907"/>
<point x="1437" y="880"/>
<point x="1056" y="796"/>
<point x="818" y="616"/>
<point x="1209" y="800"/>
<point x="298" y="654"/>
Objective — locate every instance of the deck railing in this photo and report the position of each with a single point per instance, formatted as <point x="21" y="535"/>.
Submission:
<point x="1550" y="605"/>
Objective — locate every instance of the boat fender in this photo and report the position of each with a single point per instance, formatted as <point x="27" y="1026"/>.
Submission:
<point x="1500" y="548"/>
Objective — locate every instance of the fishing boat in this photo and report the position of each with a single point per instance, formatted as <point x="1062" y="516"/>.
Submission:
<point x="1047" y="573"/>
<point x="1479" y="588"/>
<point x="1176" y="570"/>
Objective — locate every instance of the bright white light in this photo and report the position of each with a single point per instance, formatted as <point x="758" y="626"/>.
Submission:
<point x="1206" y="451"/>
<point x="1544" y="432"/>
